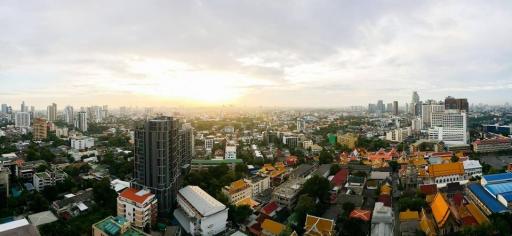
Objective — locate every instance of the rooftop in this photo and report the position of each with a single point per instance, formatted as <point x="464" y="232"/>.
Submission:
<point x="456" y="168"/>
<point x="409" y="215"/>
<point x="440" y="209"/>
<point x="114" y="226"/>
<point x="318" y="226"/>
<point x="502" y="177"/>
<point x="204" y="203"/>
<point x="486" y="198"/>
<point x="138" y="196"/>
<point x="273" y="227"/>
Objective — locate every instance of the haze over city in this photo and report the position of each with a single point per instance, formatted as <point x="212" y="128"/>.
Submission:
<point x="253" y="53"/>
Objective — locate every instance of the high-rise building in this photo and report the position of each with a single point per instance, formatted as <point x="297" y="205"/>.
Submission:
<point x="81" y="121"/>
<point x="69" y="115"/>
<point x="427" y="110"/>
<point x="4" y="108"/>
<point x="395" y="108"/>
<point x="39" y="129"/>
<point x="52" y="112"/>
<point x="456" y="103"/>
<point x="23" y="108"/>
<point x="449" y="126"/>
<point x="301" y="125"/>
<point x="187" y="143"/>
<point x="380" y="106"/>
<point x="415" y="106"/>
<point x="389" y="107"/>
<point x="157" y="160"/>
<point x="22" y="119"/>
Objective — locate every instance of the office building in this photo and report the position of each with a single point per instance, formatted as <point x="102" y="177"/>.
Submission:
<point x="39" y="129"/>
<point x="4" y="108"/>
<point x="69" y="115"/>
<point x="208" y="143"/>
<point x="415" y="105"/>
<point x="399" y="134"/>
<point x="427" y="110"/>
<point x="187" y="143"/>
<point x="82" y="142"/>
<point x="395" y="108"/>
<point x="22" y="120"/>
<point x="81" y="121"/>
<point x="380" y="107"/>
<point x="301" y="125"/>
<point x="158" y="160"/>
<point x="199" y="213"/>
<point x="449" y="126"/>
<point x="460" y="104"/>
<point x="139" y="207"/>
<point x="290" y="140"/>
<point x="52" y="112"/>
<point x="24" y="108"/>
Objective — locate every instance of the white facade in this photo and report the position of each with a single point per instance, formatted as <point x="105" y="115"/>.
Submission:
<point x="81" y="121"/>
<point x="137" y="206"/>
<point x="398" y="135"/>
<point x="48" y="178"/>
<point x="449" y="126"/>
<point x="61" y="132"/>
<point x="208" y="144"/>
<point x="301" y="125"/>
<point x="472" y="168"/>
<point x="81" y="143"/>
<point x="230" y="152"/>
<point x="259" y="184"/>
<point x="69" y="115"/>
<point x="22" y="120"/>
<point x="427" y="110"/>
<point x="199" y="213"/>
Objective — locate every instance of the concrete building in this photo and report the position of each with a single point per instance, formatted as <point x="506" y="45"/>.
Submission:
<point x="199" y="213"/>
<point x="158" y="160"/>
<point x="398" y="135"/>
<point x="139" y="207"/>
<point x="117" y="226"/>
<point x="81" y="121"/>
<point x="382" y="220"/>
<point x="472" y="168"/>
<point x="48" y="178"/>
<point x="230" y="152"/>
<point x="287" y="194"/>
<point x="290" y="140"/>
<point x="69" y="115"/>
<point x="82" y="142"/>
<point x="301" y="125"/>
<point x="395" y="108"/>
<point x="427" y="110"/>
<point x="208" y="143"/>
<point x="492" y="145"/>
<point x="51" y="112"/>
<point x="449" y="126"/>
<point x="237" y="191"/>
<point x="187" y="143"/>
<point x="456" y="103"/>
<point x="39" y="129"/>
<point x="4" y="185"/>
<point x="22" y="120"/>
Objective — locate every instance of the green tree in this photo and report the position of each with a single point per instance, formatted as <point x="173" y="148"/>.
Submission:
<point x="238" y="214"/>
<point x="334" y="169"/>
<point x="104" y="196"/>
<point x="317" y="187"/>
<point x="325" y="157"/>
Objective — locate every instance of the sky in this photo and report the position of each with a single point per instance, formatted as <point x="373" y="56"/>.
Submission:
<point x="253" y="53"/>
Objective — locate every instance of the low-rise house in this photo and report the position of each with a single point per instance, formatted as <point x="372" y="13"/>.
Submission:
<point x="81" y="142"/>
<point x="472" y="168"/>
<point x="74" y="204"/>
<point x="409" y="223"/>
<point x="50" y="177"/>
<point x="237" y="191"/>
<point x="302" y="171"/>
<point x="199" y="213"/>
<point x="271" y="228"/>
<point x="286" y="194"/>
<point x="27" y="169"/>
<point x="356" y="183"/>
<point x="139" y="207"/>
<point x="323" y="170"/>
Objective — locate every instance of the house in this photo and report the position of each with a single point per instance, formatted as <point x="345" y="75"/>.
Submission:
<point x="73" y="204"/>
<point x="472" y="168"/>
<point x="441" y="174"/>
<point x="139" y="207"/>
<point x="237" y="191"/>
<point x="199" y="213"/>
<point x="48" y="178"/>
<point x="287" y="193"/>
<point x="323" y="170"/>
<point x="271" y="228"/>
<point x="444" y="215"/>
<point x="318" y="226"/>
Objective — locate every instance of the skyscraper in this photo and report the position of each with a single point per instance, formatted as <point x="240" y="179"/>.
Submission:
<point x="39" y="129"/>
<point x="395" y="108"/>
<point x="380" y="106"/>
<point x="23" y="108"/>
<point x="52" y="112"/>
<point x="456" y="103"/>
<point x="157" y="160"/>
<point x="449" y="126"/>
<point x="415" y="107"/>
<point x="81" y="121"/>
<point x="187" y="143"/>
<point x="69" y="114"/>
<point x="427" y="110"/>
<point x="4" y="108"/>
<point x="22" y="120"/>
<point x="301" y="125"/>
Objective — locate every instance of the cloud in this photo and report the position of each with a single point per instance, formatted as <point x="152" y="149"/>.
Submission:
<point x="290" y="53"/>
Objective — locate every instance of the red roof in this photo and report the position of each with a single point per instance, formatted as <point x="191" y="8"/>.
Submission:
<point x="269" y="208"/>
<point x="492" y="141"/>
<point x="428" y="189"/>
<point x="469" y="220"/>
<point x="382" y="155"/>
<point x="457" y="198"/>
<point x="340" y="177"/>
<point x="135" y="195"/>
<point x="292" y="160"/>
<point x="386" y="199"/>
<point x="361" y="214"/>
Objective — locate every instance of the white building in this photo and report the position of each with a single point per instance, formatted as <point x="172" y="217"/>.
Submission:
<point x="472" y="168"/>
<point x="199" y="213"/>
<point x="427" y="110"/>
<point x="291" y="141"/>
<point x="48" y="178"/>
<point x="22" y="120"/>
<point x="69" y="115"/>
<point x="382" y="220"/>
<point x="449" y="126"/>
<point x="81" y="121"/>
<point x="301" y="125"/>
<point x="61" y="132"/>
<point x="82" y="142"/>
<point x="139" y="207"/>
<point x="208" y="143"/>
<point x="398" y="135"/>
<point x="230" y="152"/>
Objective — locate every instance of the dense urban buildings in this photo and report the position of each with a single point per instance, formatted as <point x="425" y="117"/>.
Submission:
<point x="39" y="129"/>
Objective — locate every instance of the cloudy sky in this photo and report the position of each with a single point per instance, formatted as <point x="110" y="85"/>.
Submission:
<point x="252" y="53"/>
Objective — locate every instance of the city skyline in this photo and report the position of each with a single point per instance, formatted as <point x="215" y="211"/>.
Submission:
<point x="300" y="54"/>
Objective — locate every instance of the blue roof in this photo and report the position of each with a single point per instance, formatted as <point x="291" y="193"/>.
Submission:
<point x="498" y="177"/>
<point x="507" y="196"/>
<point x="486" y="198"/>
<point x="496" y="189"/>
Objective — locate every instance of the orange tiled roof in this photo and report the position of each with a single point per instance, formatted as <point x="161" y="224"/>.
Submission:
<point x="427" y="227"/>
<point x="317" y="226"/>
<point x="364" y="215"/>
<point x="477" y="214"/>
<point x="237" y="186"/>
<point x="409" y="215"/>
<point x="131" y="194"/>
<point x="247" y="201"/>
<point x="272" y="227"/>
<point x="440" y="209"/>
<point x="445" y="169"/>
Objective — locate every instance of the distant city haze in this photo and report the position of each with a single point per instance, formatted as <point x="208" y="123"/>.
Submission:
<point x="253" y="53"/>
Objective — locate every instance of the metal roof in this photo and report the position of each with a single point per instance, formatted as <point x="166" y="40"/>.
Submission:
<point x="199" y="199"/>
<point x="496" y="189"/>
<point x="486" y="198"/>
<point x="498" y="177"/>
